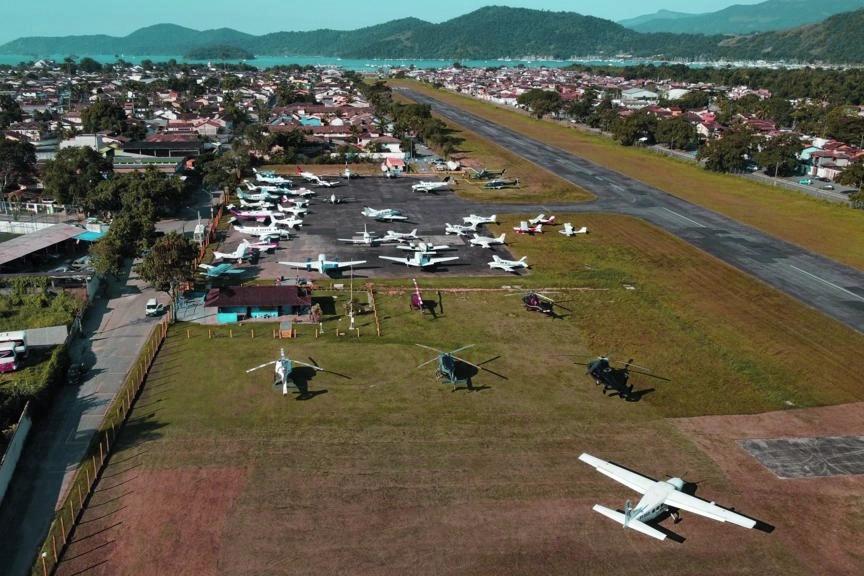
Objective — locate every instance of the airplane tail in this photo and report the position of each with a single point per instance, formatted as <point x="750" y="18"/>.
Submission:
<point x="494" y="218"/>
<point x="539" y="228"/>
<point x="627" y="521"/>
<point x="523" y="258"/>
<point x="502" y="237"/>
<point x="413" y="232"/>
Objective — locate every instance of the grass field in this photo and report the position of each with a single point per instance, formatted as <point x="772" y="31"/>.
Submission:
<point x="825" y="228"/>
<point x="391" y="472"/>
<point x="536" y="184"/>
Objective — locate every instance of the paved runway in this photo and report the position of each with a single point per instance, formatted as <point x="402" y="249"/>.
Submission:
<point x="819" y="282"/>
<point x="809" y="457"/>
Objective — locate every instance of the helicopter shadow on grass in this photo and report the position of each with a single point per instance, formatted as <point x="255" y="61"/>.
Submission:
<point x="464" y="375"/>
<point x="617" y="382"/>
<point x="301" y="376"/>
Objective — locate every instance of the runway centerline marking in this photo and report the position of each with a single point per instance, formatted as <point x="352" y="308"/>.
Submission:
<point x="828" y="283"/>
<point x="700" y="225"/>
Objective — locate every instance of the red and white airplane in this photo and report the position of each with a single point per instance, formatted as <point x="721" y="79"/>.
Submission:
<point x="526" y="228"/>
<point x="542" y="219"/>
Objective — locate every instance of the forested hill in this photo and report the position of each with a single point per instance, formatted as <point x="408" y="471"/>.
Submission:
<point x="488" y="33"/>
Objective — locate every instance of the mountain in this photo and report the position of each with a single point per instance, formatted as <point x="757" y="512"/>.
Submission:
<point x="632" y="23"/>
<point x="744" y="19"/>
<point x="487" y="33"/>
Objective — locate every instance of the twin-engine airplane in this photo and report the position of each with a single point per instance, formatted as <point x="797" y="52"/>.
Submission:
<point x="322" y="265"/>
<point x="486" y="241"/>
<point x="420" y="260"/>
<point x="383" y="215"/>
<point x="658" y="497"/>
<point x="508" y="265"/>
<point x="428" y="187"/>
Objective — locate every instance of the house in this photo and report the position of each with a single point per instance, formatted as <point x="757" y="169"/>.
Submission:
<point x="638" y="98"/>
<point x="241" y="303"/>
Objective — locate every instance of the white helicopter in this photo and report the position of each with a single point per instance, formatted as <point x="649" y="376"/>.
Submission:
<point x="508" y="265"/>
<point x="420" y="260"/>
<point x="284" y="366"/>
<point x="384" y="215"/>
<point x="429" y="187"/>
<point x="487" y="241"/>
<point x="658" y="497"/>
<point x="474" y="220"/>
<point x="392" y="236"/>
<point x="569" y="231"/>
<point x="458" y="229"/>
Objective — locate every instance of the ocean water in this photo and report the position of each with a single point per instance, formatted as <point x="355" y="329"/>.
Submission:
<point x="348" y="64"/>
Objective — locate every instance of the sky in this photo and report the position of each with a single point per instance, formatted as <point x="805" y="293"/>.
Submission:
<point x="66" y="17"/>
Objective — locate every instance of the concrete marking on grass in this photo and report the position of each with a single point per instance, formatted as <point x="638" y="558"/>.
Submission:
<point x="700" y="225"/>
<point x="840" y="288"/>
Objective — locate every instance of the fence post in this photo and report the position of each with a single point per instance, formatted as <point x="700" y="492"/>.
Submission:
<point x="54" y="547"/>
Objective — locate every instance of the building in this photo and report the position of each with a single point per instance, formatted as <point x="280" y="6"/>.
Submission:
<point x="241" y="303"/>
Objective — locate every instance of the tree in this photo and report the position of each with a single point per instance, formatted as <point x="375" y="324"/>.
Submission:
<point x="633" y="128"/>
<point x="107" y="116"/>
<point x="169" y="263"/>
<point x="89" y="65"/>
<point x="541" y="102"/>
<point x="853" y="175"/>
<point x="10" y="111"/>
<point x="125" y="191"/>
<point x="227" y="170"/>
<point x="130" y="232"/>
<point x="729" y="153"/>
<point x="73" y="174"/>
<point x="17" y="160"/>
<point x="692" y="100"/>
<point x="779" y="155"/>
<point x="581" y="109"/>
<point x="677" y="133"/>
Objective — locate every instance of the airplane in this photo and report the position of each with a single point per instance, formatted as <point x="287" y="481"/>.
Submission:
<point x="264" y="232"/>
<point x="392" y="236"/>
<point x="259" y="215"/>
<point x="284" y="366"/>
<point x="270" y="177"/>
<point x="367" y="238"/>
<point x="458" y="229"/>
<point x="500" y="183"/>
<point x="485" y="174"/>
<point x="428" y="187"/>
<point x="312" y="178"/>
<point x="423" y="247"/>
<point x="298" y="192"/>
<point x="541" y="219"/>
<point x="290" y="221"/>
<point x="570" y="231"/>
<point x="420" y="260"/>
<point x="486" y="241"/>
<point x="272" y="190"/>
<point x="220" y="270"/>
<point x="256" y="196"/>
<point x="265" y="246"/>
<point x="474" y="220"/>
<point x="292" y="209"/>
<point x="508" y="265"/>
<point x="322" y="265"/>
<point x="385" y="215"/>
<point x="658" y="497"/>
<point x="524" y="228"/>
<point x="256" y="204"/>
<point x="302" y="202"/>
<point x="238" y="254"/>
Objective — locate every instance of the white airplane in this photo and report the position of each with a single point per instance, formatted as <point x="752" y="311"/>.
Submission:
<point x="264" y="246"/>
<point x="238" y="254"/>
<point x="423" y="247"/>
<point x="292" y="209"/>
<point x="259" y="215"/>
<point x="458" y="229"/>
<point x="270" y="177"/>
<point x="316" y="180"/>
<point x="289" y="222"/>
<point x="434" y="186"/>
<point x="570" y="231"/>
<point x="392" y="236"/>
<point x="219" y="270"/>
<point x="322" y="265"/>
<point x="541" y="219"/>
<point x="263" y="232"/>
<point x="385" y="215"/>
<point x="256" y="204"/>
<point x="256" y="196"/>
<point x="525" y="228"/>
<point x="475" y="220"/>
<point x="272" y="190"/>
<point x="366" y="238"/>
<point x="508" y="265"/>
<point x="420" y="260"/>
<point x="486" y="241"/>
<point x="658" y="497"/>
<point x="295" y="201"/>
<point x="299" y="192"/>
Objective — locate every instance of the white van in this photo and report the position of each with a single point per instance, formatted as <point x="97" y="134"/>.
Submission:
<point x="152" y="308"/>
<point x="19" y="338"/>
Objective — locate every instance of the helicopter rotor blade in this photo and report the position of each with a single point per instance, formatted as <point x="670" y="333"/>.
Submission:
<point x="318" y="368"/>
<point x="462" y="348"/>
<point x="427" y="362"/>
<point x="262" y="366"/>
<point x="430" y="348"/>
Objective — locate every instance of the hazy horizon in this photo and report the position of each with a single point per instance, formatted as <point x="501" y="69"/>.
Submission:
<point x="74" y="17"/>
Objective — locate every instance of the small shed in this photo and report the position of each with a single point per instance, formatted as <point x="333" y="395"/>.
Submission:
<point x="240" y="303"/>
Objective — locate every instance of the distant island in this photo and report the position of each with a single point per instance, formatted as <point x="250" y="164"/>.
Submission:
<point x="218" y="52"/>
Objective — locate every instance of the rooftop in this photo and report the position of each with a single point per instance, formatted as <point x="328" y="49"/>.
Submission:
<point x="270" y="296"/>
<point x="27" y="244"/>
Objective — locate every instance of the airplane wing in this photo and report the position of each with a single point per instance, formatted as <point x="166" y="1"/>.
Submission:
<point x="296" y="264"/>
<point x="405" y="261"/>
<point x="710" y="510"/>
<point x="632" y="480"/>
<point x="346" y="264"/>
<point x="391" y="218"/>
<point x="434" y="261"/>
<point x="631" y="523"/>
<point x="351" y="240"/>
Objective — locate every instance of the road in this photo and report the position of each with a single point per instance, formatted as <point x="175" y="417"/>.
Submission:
<point x="114" y="331"/>
<point x="819" y="282"/>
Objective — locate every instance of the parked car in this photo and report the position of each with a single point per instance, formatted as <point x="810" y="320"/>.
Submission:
<point x="805" y="181"/>
<point x="827" y="187"/>
<point x="153" y="308"/>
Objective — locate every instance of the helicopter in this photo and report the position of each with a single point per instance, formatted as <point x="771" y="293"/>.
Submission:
<point x="284" y="368"/>
<point x="536" y="302"/>
<point x="456" y="370"/>
<point x="615" y="376"/>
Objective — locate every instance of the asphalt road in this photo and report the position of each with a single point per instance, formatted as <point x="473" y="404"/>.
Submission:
<point x="819" y="282"/>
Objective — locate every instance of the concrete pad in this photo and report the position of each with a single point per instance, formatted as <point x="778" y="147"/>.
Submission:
<point x="809" y="457"/>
